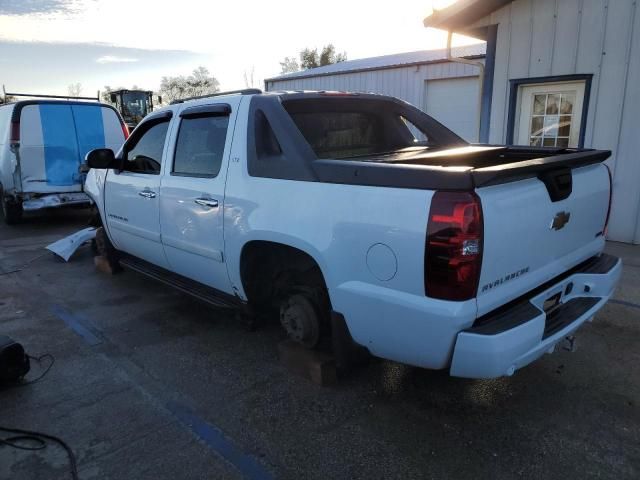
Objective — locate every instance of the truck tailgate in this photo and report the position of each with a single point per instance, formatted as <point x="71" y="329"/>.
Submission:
<point x="529" y="239"/>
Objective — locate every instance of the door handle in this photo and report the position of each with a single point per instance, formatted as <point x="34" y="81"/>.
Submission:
<point x="147" y="194"/>
<point x="207" y="202"/>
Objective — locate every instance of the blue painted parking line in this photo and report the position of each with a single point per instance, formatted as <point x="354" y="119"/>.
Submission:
<point x="248" y="466"/>
<point x="625" y="303"/>
<point x="77" y="324"/>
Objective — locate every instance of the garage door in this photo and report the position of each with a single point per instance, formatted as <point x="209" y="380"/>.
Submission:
<point x="454" y="102"/>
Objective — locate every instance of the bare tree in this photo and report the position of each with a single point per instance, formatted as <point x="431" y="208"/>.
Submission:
<point x="249" y="81"/>
<point x="200" y="82"/>
<point x="74" y="89"/>
<point x="289" y="65"/>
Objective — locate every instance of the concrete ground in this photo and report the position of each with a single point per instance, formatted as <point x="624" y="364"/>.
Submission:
<point x="149" y="384"/>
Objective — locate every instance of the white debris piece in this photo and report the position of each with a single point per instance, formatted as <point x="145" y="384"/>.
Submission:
<point x="68" y="245"/>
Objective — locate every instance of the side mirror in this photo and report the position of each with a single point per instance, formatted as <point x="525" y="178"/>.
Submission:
<point x="113" y="97"/>
<point x="101" y="158"/>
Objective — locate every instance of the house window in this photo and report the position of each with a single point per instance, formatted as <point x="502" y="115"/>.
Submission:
<point x="550" y="114"/>
<point x="551" y="119"/>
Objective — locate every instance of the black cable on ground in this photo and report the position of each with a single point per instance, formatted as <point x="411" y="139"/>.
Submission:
<point x="38" y="360"/>
<point x="22" y="382"/>
<point x="22" y="438"/>
<point x="30" y="440"/>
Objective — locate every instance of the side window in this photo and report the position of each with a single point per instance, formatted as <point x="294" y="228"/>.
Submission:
<point x="200" y="146"/>
<point x="144" y="155"/>
<point x="267" y="146"/>
<point x="419" y="136"/>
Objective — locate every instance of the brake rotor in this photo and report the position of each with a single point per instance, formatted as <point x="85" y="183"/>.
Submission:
<point x="300" y="320"/>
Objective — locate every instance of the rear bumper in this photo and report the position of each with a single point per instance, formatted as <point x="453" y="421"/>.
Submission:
<point x="513" y="336"/>
<point x="54" y="200"/>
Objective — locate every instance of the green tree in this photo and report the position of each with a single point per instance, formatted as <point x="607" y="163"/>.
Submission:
<point x="329" y="56"/>
<point x="309" y="59"/>
<point x="312" y="59"/>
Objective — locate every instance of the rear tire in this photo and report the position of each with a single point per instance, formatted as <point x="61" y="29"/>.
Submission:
<point x="11" y="210"/>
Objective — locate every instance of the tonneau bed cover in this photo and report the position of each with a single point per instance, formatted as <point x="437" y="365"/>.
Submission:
<point x="459" y="168"/>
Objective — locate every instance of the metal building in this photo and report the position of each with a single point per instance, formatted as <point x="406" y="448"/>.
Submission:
<point x="446" y="90"/>
<point x="563" y="72"/>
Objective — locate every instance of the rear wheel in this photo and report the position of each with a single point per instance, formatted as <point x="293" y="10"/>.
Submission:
<point x="300" y="319"/>
<point x="11" y="209"/>
<point x="286" y="283"/>
<point x="305" y="309"/>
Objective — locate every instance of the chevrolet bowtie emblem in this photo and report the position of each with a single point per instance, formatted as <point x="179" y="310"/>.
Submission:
<point x="560" y="220"/>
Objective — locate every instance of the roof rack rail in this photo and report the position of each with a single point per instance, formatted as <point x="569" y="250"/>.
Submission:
<point x="244" y="91"/>
<point x="64" y="97"/>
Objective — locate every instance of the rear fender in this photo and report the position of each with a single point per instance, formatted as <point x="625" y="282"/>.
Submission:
<point x="233" y="258"/>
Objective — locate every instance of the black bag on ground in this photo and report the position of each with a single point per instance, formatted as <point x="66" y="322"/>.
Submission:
<point x="14" y="363"/>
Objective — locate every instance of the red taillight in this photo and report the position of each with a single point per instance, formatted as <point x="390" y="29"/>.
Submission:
<point x="606" y="222"/>
<point x="14" y="136"/>
<point x="125" y="130"/>
<point x="453" y="255"/>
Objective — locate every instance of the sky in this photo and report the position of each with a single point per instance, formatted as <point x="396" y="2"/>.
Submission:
<point x="46" y="45"/>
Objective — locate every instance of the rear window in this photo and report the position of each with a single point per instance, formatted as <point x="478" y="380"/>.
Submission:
<point x="347" y="128"/>
<point x="341" y="134"/>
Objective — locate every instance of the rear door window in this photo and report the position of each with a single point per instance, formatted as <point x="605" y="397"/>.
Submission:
<point x="200" y="146"/>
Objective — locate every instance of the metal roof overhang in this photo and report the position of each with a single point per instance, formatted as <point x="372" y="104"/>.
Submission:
<point x="462" y="14"/>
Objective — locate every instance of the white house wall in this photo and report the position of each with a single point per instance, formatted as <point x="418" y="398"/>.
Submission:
<point x="406" y="83"/>
<point x="539" y="38"/>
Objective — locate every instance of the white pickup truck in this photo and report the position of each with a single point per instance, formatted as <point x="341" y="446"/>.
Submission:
<point x="362" y="218"/>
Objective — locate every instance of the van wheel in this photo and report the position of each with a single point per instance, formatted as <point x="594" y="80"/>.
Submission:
<point x="11" y="210"/>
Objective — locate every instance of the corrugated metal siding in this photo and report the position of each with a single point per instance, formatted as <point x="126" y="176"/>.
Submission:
<point x="454" y="102"/>
<point x="562" y="37"/>
<point x="396" y="60"/>
<point x="406" y="83"/>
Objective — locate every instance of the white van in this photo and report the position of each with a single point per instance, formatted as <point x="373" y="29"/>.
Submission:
<point x="42" y="145"/>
